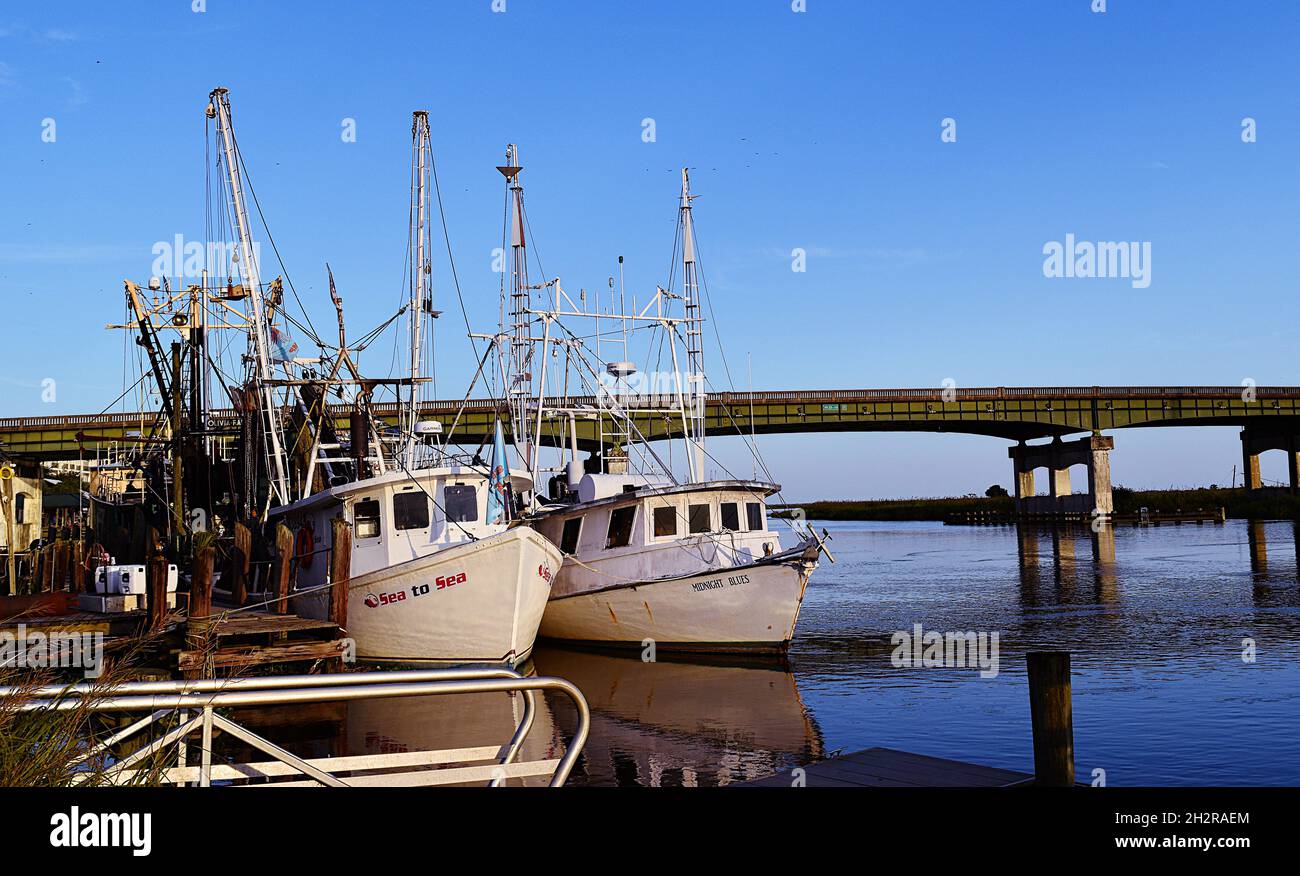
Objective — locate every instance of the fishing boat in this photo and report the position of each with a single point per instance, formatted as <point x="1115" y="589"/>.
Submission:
<point x="439" y="569"/>
<point x="684" y="562"/>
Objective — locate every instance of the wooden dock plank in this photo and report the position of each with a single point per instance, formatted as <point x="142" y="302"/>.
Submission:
<point x="891" y="768"/>
<point x="260" y="655"/>
<point x="257" y="623"/>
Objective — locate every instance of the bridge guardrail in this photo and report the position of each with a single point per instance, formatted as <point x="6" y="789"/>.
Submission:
<point x="390" y="409"/>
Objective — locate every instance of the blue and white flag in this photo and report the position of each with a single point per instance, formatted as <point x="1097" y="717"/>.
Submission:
<point x="498" y="501"/>
<point x="283" y="346"/>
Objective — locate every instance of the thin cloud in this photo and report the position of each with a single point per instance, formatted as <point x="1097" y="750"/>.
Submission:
<point x="48" y="35"/>
<point x="17" y="252"/>
<point x="78" y="97"/>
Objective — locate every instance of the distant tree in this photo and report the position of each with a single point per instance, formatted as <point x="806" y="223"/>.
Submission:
<point x="996" y="492"/>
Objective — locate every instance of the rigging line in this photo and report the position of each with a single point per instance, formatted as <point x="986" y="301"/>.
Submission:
<point x="624" y="415"/>
<point x="528" y="226"/>
<point x="309" y="329"/>
<point x="402" y="465"/>
<point x="460" y="410"/>
<point x="749" y="443"/>
<point x="373" y="335"/>
<point x="124" y="394"/>
<point x="726" y="366"/>
<point x="451" y="260"/>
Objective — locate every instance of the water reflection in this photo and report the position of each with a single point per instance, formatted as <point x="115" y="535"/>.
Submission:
<point x="1154" y="616"/>
<point x="1069" y="574"/>
<point x="675" y="723"/>
<point x="1275" y="580"/>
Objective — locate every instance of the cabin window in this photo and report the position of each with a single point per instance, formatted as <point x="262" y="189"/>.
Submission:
<point x="699" y="518"/>
<point x="20" y="509"/>
<point x="754" y="513"/>
<point x="462" y="503"/>
<point x="410" y="511"/>
<point x="620" y="527"/>
<point x="365" y="518"/>
<point x="730" y="516"/>
<point x="569" y="538"/>
<point x="665" y="521"/>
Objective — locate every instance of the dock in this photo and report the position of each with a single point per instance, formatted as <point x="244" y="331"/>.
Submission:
<point x="1143" y="517"/>
<point x="262" y="638"/>
<point x="891" y="768"/>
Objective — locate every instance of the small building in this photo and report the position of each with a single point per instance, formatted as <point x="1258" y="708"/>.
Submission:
<point x="21" y="495"/>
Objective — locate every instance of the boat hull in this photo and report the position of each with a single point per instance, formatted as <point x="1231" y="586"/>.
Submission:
<point x="477" y="602"/>
<point x="743" y="608"/>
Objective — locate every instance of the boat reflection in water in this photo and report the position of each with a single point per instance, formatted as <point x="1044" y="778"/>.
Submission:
<point x="670" y="723"/>
<point x="383" y="726"/>
<point x="664" y="723"/>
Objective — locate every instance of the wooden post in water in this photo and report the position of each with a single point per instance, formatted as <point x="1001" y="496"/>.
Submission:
<point x="283" y="567"/>
<point x="239" y="564"/>
<point x="157" y="587"/>
<point x="1053" y="720"/>
<point x="198" y="629"/>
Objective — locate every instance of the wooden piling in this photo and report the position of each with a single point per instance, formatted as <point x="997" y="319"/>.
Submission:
<point x="62" y="555"/>
<point x="239" y="564"/>
<point x="1053" y="721"/>
<point x="201" y="584"/>
<point x="198" y="628"/>
<point x="77" y="568"/>
<point x="283" y="567"/>
<point x="47" y="568"/>
<point x="340" y="570"/>
<point x="157" y="587"/>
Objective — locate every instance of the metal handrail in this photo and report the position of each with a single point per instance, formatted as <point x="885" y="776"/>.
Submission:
<point x="161" y="698"/>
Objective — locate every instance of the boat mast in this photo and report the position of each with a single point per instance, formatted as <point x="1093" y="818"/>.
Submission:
<point x="694" y="338"/>
<point x="519" y="388"/>
<point x="219" y="107"/>
<point x="421" y="294"/>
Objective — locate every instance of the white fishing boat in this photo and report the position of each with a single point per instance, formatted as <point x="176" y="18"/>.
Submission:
<point x="687" y="566"/>
<point x="687" y="563"/>
<point x="432" y="579"/>
<point x="439" y="570"/>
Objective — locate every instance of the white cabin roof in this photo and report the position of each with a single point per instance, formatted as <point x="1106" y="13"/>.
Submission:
<point x="336" y="495"/>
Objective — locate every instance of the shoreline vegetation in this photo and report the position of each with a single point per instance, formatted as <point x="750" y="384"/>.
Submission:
<point x="1271" y="503"/>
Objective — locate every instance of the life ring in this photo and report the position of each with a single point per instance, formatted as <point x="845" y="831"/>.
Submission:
<point x="304" y="546"/>
<point x="6" y="472"/>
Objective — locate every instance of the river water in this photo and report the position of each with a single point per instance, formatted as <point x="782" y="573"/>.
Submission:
<point x="1161" y="623"/>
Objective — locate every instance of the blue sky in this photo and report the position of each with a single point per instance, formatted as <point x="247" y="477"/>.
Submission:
<point x="817" y="130"/>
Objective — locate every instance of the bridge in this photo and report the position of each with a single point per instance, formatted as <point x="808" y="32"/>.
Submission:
<point x="1269" y="418"/>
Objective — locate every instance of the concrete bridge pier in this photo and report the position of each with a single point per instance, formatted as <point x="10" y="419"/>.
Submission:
<point x="1057" y="457"/>
<point x="1256" y="440"/>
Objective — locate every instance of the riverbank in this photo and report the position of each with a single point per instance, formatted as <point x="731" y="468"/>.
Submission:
<point x="1267" y="504"/>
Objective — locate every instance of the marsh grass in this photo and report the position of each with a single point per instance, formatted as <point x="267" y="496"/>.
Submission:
<point x="50" y="746"/>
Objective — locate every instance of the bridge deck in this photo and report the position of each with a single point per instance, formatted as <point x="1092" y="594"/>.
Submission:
<point x="1016" y="413"/>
